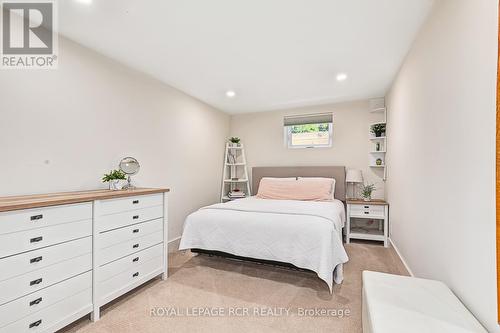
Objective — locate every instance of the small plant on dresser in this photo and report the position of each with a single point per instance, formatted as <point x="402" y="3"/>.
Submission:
<point x="366" y="191"/>
<point x="116" y="179"/>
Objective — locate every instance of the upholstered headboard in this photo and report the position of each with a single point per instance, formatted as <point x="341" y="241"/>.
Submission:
<point x="336" y="172"/>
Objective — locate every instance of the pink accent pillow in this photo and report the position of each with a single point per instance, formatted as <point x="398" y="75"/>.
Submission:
<point x="309" y="189"/>
<point x="330" y="180"/>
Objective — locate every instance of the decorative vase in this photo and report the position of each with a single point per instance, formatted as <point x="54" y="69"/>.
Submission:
<point x="234" y="144"/>
<point x="378" y="161"/>
<point x="117" y="184"/>
<point x="377" y="146"/>
<point x="367" y="198"/>
<point x="378" y="134"/>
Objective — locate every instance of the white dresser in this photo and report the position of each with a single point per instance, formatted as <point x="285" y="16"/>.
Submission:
<point x="62" y="256"/>
<point x="129" y="244"/>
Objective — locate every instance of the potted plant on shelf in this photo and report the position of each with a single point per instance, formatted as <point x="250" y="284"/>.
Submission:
<point x="116" y="179"/>
<point x="234" y="142"/>
<point x="378" y="129"/>
<point x="366" y="191"/>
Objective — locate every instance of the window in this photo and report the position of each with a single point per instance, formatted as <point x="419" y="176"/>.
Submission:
<point x="309" y="131"/>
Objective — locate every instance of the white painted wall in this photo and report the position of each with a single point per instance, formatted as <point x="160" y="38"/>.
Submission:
<point x="442" y="153"/>
<point x="262" y="134"/>
<point x="61" y="130"/>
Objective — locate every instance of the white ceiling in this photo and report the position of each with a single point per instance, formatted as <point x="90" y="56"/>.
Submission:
<point x="273" y="53"/>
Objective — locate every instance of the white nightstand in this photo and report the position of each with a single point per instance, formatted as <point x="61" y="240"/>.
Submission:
<point x="376" y="210"/>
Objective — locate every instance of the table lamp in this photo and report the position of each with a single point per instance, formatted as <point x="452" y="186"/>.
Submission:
<point x="354" y="176"/>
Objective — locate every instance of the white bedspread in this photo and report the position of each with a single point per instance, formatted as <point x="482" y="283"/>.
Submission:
<point x="303" y="233"/>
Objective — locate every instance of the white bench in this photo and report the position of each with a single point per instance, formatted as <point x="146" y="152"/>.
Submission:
<point x="394" y="303"/>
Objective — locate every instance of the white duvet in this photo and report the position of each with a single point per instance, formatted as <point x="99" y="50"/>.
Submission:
<point x="304" y="233"/>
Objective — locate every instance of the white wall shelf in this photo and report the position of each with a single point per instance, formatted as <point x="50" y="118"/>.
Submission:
<point x="377" y="138"/>
<point x="381" y="110"/>
<point x="378" y="143"/>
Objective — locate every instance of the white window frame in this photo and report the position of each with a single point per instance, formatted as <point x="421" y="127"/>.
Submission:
<point x="288" y="139"/>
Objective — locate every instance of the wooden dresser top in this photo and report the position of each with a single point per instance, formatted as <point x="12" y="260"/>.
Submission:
<point x="62" y="198"/>
<point x="371" y="202"/>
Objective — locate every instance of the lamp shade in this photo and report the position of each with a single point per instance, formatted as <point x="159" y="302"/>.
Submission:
<point x="354" y="176"/>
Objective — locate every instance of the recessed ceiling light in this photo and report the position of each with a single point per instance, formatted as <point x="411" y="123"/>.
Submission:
<point x="230" y="94"/>
<point x="86" y="2"/>
<point x="341" y="76"/>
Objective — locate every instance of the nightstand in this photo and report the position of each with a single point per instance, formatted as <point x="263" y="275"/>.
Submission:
<point x="367" y="220"/>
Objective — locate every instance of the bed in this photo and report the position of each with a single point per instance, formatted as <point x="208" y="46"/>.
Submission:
<point x="305" y="234"/>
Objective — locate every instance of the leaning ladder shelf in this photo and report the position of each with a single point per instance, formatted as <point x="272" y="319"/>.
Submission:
<point x="235" y="172"/>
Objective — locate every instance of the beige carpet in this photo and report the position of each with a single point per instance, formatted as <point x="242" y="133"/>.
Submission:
<point x="220" y="290"/>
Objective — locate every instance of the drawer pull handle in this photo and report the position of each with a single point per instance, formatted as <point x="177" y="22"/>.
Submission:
<point x="135" y="246"/>
<point x="37" y="259"/>
<point x="367" y="206"/>
<point x="135" y="231"/>
<point x="36" y="239"/>
<point x="135" y="217"/>
<point x="37" y="281"/>
<point x="135" y="202"/>
<point x="367" y="212"/>
<point x="36" y="301"/>
<point x="36" y="217"/>
<point x="136" y="274"/>
<point x="36" y="323"/>
<point x="136" y="259"/>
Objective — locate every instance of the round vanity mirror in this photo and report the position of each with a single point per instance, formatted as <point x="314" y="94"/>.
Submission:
<point x="130" y="166"/>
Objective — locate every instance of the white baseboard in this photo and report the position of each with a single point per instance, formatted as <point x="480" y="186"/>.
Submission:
<point x="173" y="244"/>
<point x="401" y="257"/>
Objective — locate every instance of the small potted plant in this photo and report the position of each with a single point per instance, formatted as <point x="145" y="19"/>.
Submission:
<point x="234" y="142"/>
<point x="116" y="179"/>
<point x="366" y="191"/>
<point x="378" y="129"/>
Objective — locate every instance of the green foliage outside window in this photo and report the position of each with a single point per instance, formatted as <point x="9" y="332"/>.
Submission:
<point x="310" y="128"/>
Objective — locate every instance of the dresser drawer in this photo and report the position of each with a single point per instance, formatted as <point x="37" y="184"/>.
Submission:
<point x="134" y="260"/>
<point x="27" y="305"/>
<point x="114" y="221"/>
<point x="33" y="281"/>
<point x="110" y="238"/>
<point x="126" y="248"/>
<point x="132" y="276"/>
<point x="21" y="220"/>
<point x="26" y="262"/>
<point x="54" y="316"/>
<point x="113" y="206"/>
<point x="28" y="240"/>
<point x="377" y="210"/>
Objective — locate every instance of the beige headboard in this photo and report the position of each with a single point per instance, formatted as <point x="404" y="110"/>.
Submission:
<point x="336" y="172"/>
